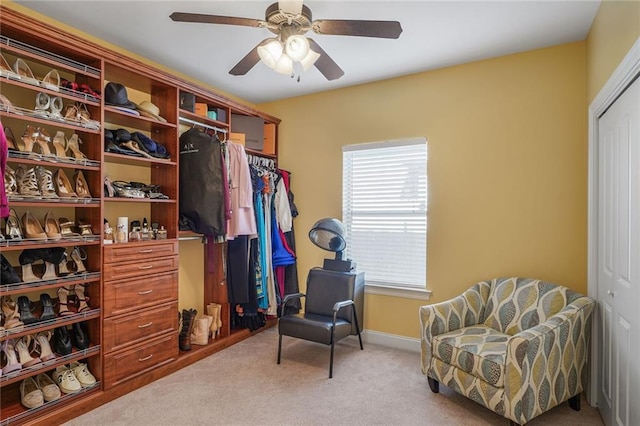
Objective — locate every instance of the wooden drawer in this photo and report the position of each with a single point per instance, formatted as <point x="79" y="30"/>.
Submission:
<point x="126" y="365"/>
<point x="125" y="296"/>
<point x="145" y="267"/>
<point x="124" y="331"/>
<point x="139" y="251"/>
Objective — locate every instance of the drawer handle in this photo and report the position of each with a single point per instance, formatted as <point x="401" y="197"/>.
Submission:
<point x="145" y="292"/>
<point x="145" y="267"/>
<point x="146" y="358"/>
<point x="146" y="251"/>
<point x="146" y="325"/>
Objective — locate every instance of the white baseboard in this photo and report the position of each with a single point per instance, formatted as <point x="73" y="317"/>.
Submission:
<point x="391" y="340"/>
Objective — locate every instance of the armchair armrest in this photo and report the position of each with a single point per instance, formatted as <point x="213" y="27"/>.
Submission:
<point x="289" y="297"/>
<point x="461" y="311"/>
<point x="546" y="364"/>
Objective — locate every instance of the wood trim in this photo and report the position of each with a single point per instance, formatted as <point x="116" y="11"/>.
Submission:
<point x="37" y="29"/>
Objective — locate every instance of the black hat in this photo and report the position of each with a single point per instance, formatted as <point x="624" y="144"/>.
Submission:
<point x="116" y="94"/>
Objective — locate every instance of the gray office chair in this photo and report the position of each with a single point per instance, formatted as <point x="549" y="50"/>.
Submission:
<point x="332" y="310"/>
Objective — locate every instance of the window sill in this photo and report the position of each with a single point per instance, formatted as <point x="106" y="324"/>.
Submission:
<point x="406" y="293"/>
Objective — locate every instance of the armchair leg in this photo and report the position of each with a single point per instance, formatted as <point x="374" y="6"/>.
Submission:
<point x="279" y="347"/>
<point x="434" y="385"/>
<point x="331" y="360"/>
<point x="574" y="402"/>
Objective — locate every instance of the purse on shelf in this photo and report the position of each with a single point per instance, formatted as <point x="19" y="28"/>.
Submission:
<point x="126" y="190"/>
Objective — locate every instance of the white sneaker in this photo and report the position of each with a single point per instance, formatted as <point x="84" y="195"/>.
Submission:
<point x="83" y="374"/>
<point x="66" y="380"/>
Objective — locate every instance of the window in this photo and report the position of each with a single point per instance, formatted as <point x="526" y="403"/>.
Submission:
<point x="384" y="208"/>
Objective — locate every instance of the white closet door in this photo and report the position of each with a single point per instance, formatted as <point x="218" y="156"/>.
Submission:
<point x="619" y="260"/>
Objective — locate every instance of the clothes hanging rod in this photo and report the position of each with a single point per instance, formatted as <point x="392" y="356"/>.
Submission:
<point x="206" y="126"/>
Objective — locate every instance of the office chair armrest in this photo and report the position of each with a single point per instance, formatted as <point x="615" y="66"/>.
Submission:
<point x="292" y="296"/>
<point x="342" y="304"/>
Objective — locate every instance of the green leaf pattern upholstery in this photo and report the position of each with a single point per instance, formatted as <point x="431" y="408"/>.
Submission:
<point x="517" y="346"/>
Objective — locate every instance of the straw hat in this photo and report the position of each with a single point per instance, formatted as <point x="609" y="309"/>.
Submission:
<point x="148" y="109"/>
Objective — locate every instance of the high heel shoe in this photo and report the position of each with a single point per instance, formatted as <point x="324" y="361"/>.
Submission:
<point x="32" y="227"/>
<point x="9" y="349"/>
<point x="10" y="183"/>
<point x="45" y="183"/>
<point x="43" y="101"/>
<point x="85" y="117"/>
<point x="51" y="227"/>
<point x="47" y="309"/>
<point x="81" y="186"/>
<point x="22" y="348"/>
<point x="5" y="69"/>
<point x="85" y="229"/>
<point x="43" y="140"/>
<point x="60" y="144"/>
<point x="79" y="335"/>
<point x="11" y="139"/>
<point x="78" y="255"/>
<point x="63" y="270"/>
<point x="27" y="258"/>
<point x="81" y="298"/>
<point x="26" y="310"/>
<point x="28" y="139"/>
<point x="26" y="75"/>
<point x="63" y="303"/>
<point x="63" y="186"/>
<point x="73" y="145"/>
<point x="27" y="182"/>
<point x="13" y="229"/>
<point x="62" y="341"/>
<point x="51" y="81"/>
<point x="66" y="229"/>
<point x="43" y="347"/>
<point x="10" y="312"/>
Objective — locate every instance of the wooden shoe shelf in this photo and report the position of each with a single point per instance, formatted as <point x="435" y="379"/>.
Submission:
<point x="132" y="286"/>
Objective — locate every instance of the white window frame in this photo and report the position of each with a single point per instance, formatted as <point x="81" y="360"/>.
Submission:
<point x="387" y="288"/>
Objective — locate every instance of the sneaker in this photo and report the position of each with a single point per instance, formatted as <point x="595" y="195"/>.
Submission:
<point x="49" y="389"/>
<point x="66" y="380"/>
<point x="83" y="374"/>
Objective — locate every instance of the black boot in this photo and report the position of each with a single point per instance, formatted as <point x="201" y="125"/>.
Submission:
<point x="188" y="321"/>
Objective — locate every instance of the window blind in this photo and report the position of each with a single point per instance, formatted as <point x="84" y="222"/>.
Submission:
<point x="384" y="208"/>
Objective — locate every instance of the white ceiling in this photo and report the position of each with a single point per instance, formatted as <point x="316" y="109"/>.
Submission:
<point x="435" y="34"/>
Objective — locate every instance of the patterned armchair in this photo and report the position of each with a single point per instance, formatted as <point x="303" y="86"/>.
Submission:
<point x="517" y="346"/>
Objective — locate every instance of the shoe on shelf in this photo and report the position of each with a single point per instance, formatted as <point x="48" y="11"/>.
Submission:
<point x="81" y="298"/>
<point x="6" y="71"/>
<point x="10" y="183"/>
<point x="60" y="144"/>
<point x="62" y="341"/>
<point x="63" y="186"/>
<point x="50" y="391"/>
<point x="63" y="305"/>
<point x="43" y="347"/>
<point x="52" y="227"/>
<point x="26" y="75"/>
<point x="10" y="312"/>
<point x="26" y="310"/>
<point x="9" y="350"/>
<point x="66" y="229"/>
<point x="83" y="374"/>
<point x="9" y="275"/>
<point x="43" y="101"/>
<point x="11" y="139"/>
<point x="51" y="81"/>
<point x="27" y="182"/>
<point x="43" y="140"/>
<point x="67" y="381"/>
<point x="81" y="186"/>
<point x="79" y="335"/>
<point x="47" y="309"/>
<point x="30" y="394"/>
<point x="29" y="139"/>
<point x="78" y="255"/>
<point x="45" y="183"/>
<point x="24" y="354"/>
<point x="32" y="227"/>
<point x="13" y="228"/>
<point x="73" y="145"/>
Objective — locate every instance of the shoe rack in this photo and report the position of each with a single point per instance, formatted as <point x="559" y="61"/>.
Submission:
<point x="132" y="288"/>
<point x="64" y="264"/>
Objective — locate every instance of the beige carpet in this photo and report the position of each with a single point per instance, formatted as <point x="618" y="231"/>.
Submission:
<point x="242" y="385"/>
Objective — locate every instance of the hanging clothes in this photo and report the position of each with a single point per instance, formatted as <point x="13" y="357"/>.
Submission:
<point x="243" y="220"/>
<point x="201" y="183"/>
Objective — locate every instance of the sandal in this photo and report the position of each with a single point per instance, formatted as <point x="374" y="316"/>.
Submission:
<point x="26" y="310"/>
<point x="45" y="183"/>
<point x="10" y="183"/>
<point x="73" y="145"/>
<point x="63" y="303"/>
<point x="47" y="308"/>
<point x="85" y="117"/>
<point x="6" y="105"/>
<point x="28" y="139"/>
<point x="66" y="230"/>
<point x="78" y="255"/>
<point x="5" y="69"/>
<point x="56" y="109"/>
<point x="108" y="187"/>
<point x="26" y="75"/>
<point x="85" y="229"/>
<point x="43" y="140"/>
<point x="43" y="101"/>
<point x="51" y="81"/>
<point x="60" y="144"/>
<point x="13" y="229"/>
<point x="27" y="182"/>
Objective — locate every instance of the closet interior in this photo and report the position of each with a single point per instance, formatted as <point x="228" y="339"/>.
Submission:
<point x="102" y="279"/>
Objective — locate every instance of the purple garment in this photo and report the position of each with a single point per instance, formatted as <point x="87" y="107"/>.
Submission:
<point x="4" y="152"/>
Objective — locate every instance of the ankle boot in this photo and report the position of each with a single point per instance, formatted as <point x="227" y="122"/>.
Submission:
<point x="200" y="335"/>
<point x="63" y="302"/>
<point x="81" y="298"/>
<point x="188" y="322"/>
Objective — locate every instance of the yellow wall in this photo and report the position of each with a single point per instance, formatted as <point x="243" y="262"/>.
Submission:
<point x="507" y="168"/>
<point x="615" y="29"/>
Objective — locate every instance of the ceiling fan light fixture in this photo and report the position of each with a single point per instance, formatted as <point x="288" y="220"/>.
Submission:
<point x="270" y="53"/>
<point x="297" y="47"/>
<point x="308" y="61"/>
<point x="284" y="65"/>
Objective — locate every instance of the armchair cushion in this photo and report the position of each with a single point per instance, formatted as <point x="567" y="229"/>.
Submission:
<point x="478" y="350"/>
<point x="313" y="327"/>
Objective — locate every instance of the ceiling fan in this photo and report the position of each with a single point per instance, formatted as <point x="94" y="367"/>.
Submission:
<point x="290" y="50"/>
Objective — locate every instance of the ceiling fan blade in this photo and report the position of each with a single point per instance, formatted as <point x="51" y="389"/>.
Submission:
<point x="249" y="61"/>
<point x="325" y="64"/>
<point x="215" y="19"/>
<point x="293" y="7"/>
<point x="380" y="29"/>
